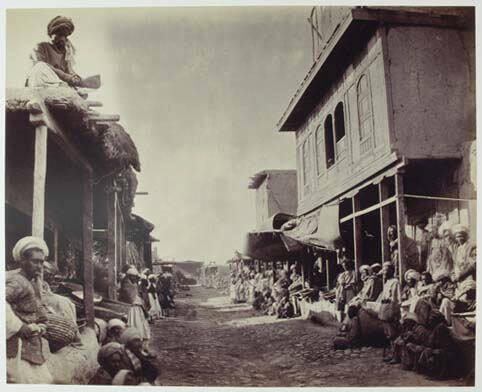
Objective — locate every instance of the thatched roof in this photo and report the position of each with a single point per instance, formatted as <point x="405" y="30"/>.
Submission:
<point x="106" y="145"/>
<point x="118" y="147"/>
<point x="18" y="98"/>
<point x="127" y="180"/>
<point x="139" y="228"/>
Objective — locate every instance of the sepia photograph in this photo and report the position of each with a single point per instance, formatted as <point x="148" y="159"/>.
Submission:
<point x="240" y="195"/>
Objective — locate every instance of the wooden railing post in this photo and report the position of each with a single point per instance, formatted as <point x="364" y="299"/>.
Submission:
<point x="37" y="119"/>
<point x="357" y="235"/>
<point x="111" y="241"/>
<point x="384" y="222"/>
<point x="87" y="249"/>
<point x="400" y="225"/>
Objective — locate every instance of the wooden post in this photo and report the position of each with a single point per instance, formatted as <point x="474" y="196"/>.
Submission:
<point x="384" y="221"/>
<point x="400" y="225"/>
<point x="357" y="235"/>
<point x="56" y="247"/>
<point x="87" y="250"/>
<point x="327" y="268"/>
<point x="111" y="248"/>
<point x="39" y="176"/>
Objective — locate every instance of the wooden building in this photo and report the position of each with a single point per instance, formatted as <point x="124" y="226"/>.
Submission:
<point x="139" y="235"/>
<point x="59" y="155"/>
<point x="275" y="194"/>
<point x="385" y="127"/>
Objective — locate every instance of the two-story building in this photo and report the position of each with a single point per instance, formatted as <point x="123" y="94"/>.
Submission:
<point x="385" y="127"/>
<point x="276" y="203"/>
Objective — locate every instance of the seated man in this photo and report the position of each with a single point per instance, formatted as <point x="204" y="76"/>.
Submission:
<point x="111" y="361"/>
<point x="372" y="286"/>
<point x="53" y="61"/>
<point x="268" y="302"/>
<point x="26" y="318"/>
<point x="409" y="291"/>
<point x="115" y="328"/>
<point x="463" y="276"/>
<point x="285" y="308"/>
<point x="137" y="361"/>
<point x="411" y="332"/>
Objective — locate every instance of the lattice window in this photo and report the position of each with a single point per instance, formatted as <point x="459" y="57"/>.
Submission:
<point x="320" y="164"/>
<point x="329" y="142"/>
<point x="340" y="137"/>
<point x="365" y="114"/>
<point x="307" y="165"/>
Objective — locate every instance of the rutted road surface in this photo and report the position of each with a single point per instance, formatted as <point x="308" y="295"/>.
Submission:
<point x="210" y="342"/>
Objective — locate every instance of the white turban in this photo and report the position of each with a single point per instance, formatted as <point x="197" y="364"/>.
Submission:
<point x="132" y="271"/>
<point x="364" y="267"/>
<point x="412" y="274"/>
<point x="115" y="323"/>
<point x="446" y="226"/>
<point x="27" y="243"/>
<point x="460" y="229"/>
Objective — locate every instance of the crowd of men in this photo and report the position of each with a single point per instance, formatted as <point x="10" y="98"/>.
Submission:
<point x="274" y="292"/>
<point x="421" y="320"/>
<point x="36" y="315"/>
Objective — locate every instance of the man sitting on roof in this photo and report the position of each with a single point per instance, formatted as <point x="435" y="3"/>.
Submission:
<point x="53" y="61"/>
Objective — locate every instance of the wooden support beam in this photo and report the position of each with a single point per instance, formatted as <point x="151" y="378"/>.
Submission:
<point x="87" y="215"/>
<point x="39" y="178"/>
<point x="400" y="225"/>
<point x="94" y="103"/>
<point x="328" y="272"/>
<point x="369" y="209"/>
<point x="56" y="247"/>
<point x="384" y="221"/>
<point x="111" y="248"/>
<point x="357" y="235"/>
<point x="103" y="117"/>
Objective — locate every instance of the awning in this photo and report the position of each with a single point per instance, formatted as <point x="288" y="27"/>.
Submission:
<point x="266" y="245"/>
<point x="321" y="230"/>
<point x="274" y="222"/>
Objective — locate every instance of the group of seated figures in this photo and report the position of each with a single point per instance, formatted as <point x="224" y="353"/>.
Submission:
<point x="420" y="320"/>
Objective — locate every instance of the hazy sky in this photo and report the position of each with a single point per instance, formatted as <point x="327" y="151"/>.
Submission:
<point x="200" y="91"/>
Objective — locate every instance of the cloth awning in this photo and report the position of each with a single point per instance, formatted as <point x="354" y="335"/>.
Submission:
<point x="266" y="245"/>
<point x="320" y="230"/>
<point x="274" y="222"/>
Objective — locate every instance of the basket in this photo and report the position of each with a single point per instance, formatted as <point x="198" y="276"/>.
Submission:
<point x="60" y="332"/>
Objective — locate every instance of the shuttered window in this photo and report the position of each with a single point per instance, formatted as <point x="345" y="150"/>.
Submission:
<point x="365" y="115"/>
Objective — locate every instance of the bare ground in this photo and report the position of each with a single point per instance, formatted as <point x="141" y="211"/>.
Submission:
<point x="209" y="342"/>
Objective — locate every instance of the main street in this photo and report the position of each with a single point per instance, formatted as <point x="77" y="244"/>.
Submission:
<point x="210" y="342"/>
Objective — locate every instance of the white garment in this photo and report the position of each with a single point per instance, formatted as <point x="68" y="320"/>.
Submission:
<point x="155" y="310"/>
<point x="137" y="320"/>
<point x="41" y="75"/>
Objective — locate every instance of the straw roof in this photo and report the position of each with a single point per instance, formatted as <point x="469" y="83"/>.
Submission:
<point x="118" y="147"/>
<point x="106" y="144"/>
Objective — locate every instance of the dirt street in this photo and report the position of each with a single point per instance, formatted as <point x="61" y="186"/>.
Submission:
<point x="210" y="342"/>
